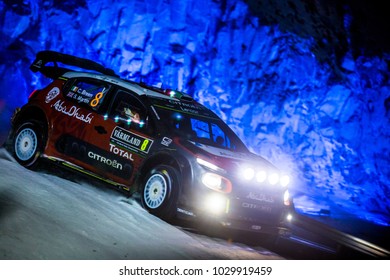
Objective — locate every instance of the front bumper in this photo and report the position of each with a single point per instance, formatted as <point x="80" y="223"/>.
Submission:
<point x="244" y="205"/>
<point x="231" y="215"/>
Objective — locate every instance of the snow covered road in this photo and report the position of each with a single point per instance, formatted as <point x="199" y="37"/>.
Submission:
<point x="43" y="216"/>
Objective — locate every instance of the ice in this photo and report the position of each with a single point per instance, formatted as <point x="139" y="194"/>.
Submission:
<point x="46" y="217"/>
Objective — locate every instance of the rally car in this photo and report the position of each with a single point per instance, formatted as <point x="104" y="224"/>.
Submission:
<point x="179" y="156"/>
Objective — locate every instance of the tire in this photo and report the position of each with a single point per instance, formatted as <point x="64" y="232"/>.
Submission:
<point x="160" y="192"/>
<point x="28" y="143"/>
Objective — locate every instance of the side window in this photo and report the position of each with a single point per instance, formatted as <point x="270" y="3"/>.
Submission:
<point x="201" y="128"/>
<point x="219" y="137"/>
<point x="128" y="111"/>
<point x="90" y="93"/>
<point x="210" y="134"/>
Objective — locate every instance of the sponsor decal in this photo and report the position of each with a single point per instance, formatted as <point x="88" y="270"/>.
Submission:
<point x="77" y="97"/>
<point x="260" y="197"/>
<point x="52" y="94"/>
<point x="186" y="212"/>
<point x="187" y="107"/>
<point x="257" y="207"/>
<point x="114" y="149"/>
<point x="256" y="227"/>
<point x="130" y="141"/>
<point x="166" y="141"/>
<point x="100" y="159"/>
<point x="73" y="111"/>
<point x="83" y="96"/>
<point x="104" y="160"/>
<point x="81" y="91"/>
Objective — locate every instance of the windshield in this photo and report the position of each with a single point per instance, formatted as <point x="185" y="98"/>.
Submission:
<point x="201" y="128"/>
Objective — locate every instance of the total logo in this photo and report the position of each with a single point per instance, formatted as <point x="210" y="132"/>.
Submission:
<point x="114" y="149"/>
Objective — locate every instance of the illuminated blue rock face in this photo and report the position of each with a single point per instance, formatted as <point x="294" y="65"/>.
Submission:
<point x="333" y="137"/>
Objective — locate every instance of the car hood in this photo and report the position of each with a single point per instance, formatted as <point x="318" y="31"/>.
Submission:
<point x="228" y="159"/>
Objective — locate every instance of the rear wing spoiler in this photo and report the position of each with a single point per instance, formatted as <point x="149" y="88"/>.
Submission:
<point x="44" y="57"/>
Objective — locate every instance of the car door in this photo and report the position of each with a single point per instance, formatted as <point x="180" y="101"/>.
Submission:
<point x="119" y="140"/>
<point x="72" y="117"/>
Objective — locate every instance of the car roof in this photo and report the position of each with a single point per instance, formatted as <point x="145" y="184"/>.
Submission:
<point x="133" y="86"/>
<point x="154" y="94"/>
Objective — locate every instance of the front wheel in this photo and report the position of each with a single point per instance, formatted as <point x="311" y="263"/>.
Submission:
<point x="28" y="144"/>
<point x="160" y="192"/>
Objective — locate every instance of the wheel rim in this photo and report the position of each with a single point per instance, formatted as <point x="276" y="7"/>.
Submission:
<point x="155" y="191"/>
<point x="26" y="144"/>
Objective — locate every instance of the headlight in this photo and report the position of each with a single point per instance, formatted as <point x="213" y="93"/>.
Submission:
<point x="261" y="176"/>
<point x="216" y="204"/>
<point x="284" y="180"/>
<point x="213" y="181"/>
<point x="248" y="173"/>
<point x="216" y="182"/>
<point x="273" y="179"/>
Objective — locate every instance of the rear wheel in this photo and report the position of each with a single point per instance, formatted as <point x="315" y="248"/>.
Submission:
<point x="160" y="192"/>
<point x="28" y="143"/>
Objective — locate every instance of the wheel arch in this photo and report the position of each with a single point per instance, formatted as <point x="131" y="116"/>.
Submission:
<point x="172" y="160"/>
<point x="27" y="114"/>
<point x="28" y="149"/>
<point x="30" y="113"/>
<point x="171" y="165"/>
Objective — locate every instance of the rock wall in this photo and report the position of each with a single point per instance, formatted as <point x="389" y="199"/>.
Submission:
<point x="331" y="135"/>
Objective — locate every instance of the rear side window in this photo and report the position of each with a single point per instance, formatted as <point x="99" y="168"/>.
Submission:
<point x="89" y="93"/>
